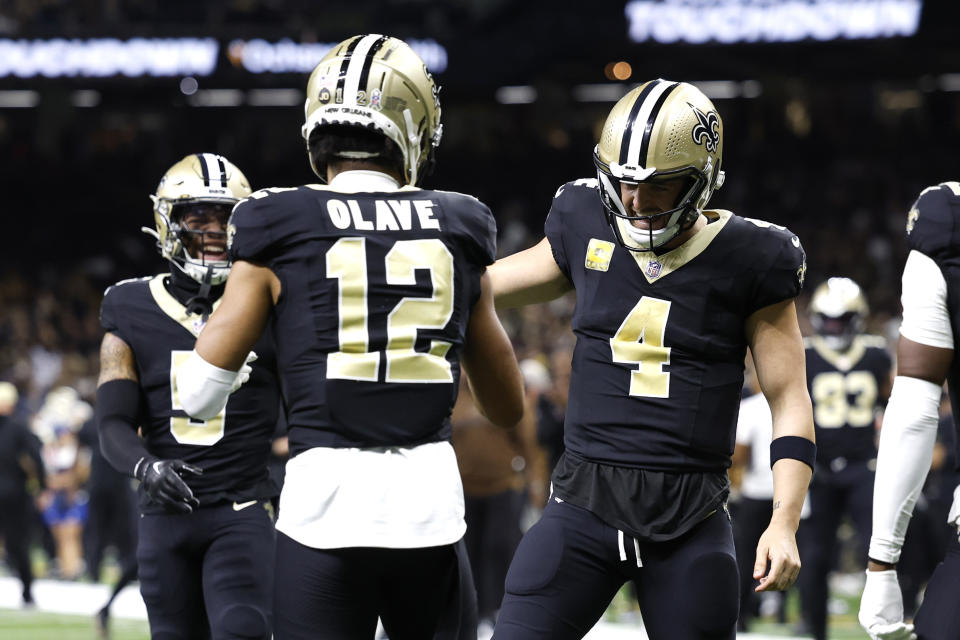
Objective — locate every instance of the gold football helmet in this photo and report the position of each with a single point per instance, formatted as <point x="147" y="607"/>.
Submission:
<point x="378" y="83"/>
<point x="660" y="131"/>
<point x="200" y="179"/>
<point x="838" y="312"/>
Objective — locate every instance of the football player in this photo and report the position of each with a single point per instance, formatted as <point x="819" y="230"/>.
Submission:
<point x="205" y="539"/>
<point x="925" y="359"/>
<point x="379" y="293"/>
<point x="848" y="377"/>
<point x="669" y="297"/>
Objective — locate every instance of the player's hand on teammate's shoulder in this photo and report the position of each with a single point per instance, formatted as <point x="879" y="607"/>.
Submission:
<point x="778" y="562"/>
<point x="244" y="373"/>
<point x="163" y="482"/>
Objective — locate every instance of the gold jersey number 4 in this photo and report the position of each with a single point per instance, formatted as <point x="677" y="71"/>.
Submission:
<point x="347" y="261"/>
<point x="639" y="340"/>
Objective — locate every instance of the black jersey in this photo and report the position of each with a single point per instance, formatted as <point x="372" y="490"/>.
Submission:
<point x="377" y="290"/>
<point x="233" y="448"/>
<point x="659" y="359"/>
<point x="933" y="229"/>
<point x="845" y="389"/>
<point x="658" y="364"/>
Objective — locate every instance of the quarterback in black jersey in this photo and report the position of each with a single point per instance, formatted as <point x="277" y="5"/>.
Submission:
<point x="925" y="359"/>
<point x="669" y="297"/>
<point x="848" y="377"/>
<point x="378" y="294"/>
<point x="205" y="538"/>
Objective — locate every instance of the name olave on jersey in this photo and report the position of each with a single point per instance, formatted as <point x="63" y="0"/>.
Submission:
<point x="382" y="215"/>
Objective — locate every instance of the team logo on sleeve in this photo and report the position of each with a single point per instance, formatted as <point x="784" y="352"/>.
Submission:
<point x="599" y="253"/>
<point x="912" y="218"/>
<point x="802" y="272"/>
<point x="707" y="132"/>
<point x="231" y="233"/>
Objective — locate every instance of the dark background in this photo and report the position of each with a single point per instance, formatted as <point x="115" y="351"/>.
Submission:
<point x="840" y="140"/>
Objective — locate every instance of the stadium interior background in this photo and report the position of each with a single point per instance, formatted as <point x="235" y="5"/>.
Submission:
<point x="832" y="138"/>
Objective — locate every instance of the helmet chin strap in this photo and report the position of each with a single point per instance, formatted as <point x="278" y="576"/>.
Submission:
<point x="200" y="304"/>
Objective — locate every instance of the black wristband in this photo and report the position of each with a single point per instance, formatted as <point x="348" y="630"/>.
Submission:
<point x="793" y="447"/>
<point x="118" y="412"/>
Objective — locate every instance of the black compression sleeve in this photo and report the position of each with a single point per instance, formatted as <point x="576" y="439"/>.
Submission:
<point x="118" y="410"/>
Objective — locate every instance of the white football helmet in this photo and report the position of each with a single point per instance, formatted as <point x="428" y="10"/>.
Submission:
<point x="838" y="312"/>
<point x="198" y="179"/>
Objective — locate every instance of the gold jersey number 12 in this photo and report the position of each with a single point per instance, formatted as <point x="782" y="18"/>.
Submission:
<point x="347" y="262"/>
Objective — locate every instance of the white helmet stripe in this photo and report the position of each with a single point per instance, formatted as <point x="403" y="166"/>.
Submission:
<point x="355" y="68"/>
<point x="640" y="123"/>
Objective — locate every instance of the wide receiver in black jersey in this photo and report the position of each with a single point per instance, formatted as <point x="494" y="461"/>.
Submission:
<point x="378" y="292"/>
<point x="205" y="539"/>
<point x="669" y="297"/>
<point x="848" y="377"/>
<point x="925" y="359"/>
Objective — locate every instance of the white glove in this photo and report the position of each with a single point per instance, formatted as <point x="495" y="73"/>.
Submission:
<point x="953" y="518"/>
<point x="881" y="608"/>
<point x="244" y="373"/>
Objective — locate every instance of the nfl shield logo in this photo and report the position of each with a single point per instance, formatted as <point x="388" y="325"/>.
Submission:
<point x="653" y="269"/>
<point x="198" y="325"/>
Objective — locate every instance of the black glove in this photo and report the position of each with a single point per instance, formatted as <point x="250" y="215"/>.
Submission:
<point x="163" y="482"/>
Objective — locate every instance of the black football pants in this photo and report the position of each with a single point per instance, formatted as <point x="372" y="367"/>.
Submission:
<point x="832" y="494"/>
<point x="208" y="574"/>
<point x="570" y="564"/>
<point x="338" y="594"/>
<point x="939" y="615"/>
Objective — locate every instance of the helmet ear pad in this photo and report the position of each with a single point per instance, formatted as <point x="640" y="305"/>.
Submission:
<point x="333" y="144"/>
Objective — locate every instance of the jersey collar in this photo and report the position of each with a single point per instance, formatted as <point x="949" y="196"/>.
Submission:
<point x="654" y="267"/>
<point x="173" y="308"/>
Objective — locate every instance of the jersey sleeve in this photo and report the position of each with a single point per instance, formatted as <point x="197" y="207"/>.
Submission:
<point x="931" y="220"/>
<point x="479" y="232"/>
<point x="783" y="277"/>
<point x="553" y="229"/>
<point x="252" y="230"/>
<point x="108" y="311"/>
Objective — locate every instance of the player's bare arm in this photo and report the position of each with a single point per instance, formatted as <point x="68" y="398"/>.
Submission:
<point x="490" y="363"/>
<point x="116" y="360"/>
<point x="528" y="277"/>
<point x="777" y="347"/>
<point x="234" y="327"/>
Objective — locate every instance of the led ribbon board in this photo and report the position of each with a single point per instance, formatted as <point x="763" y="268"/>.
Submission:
<point x="739" y="21"/>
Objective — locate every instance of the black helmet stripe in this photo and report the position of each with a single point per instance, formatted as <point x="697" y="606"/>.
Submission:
<point x="368" y="60"/>
<point x="632" y="119"/>
<point x="648" y="129"/>
<point x="203" y="168"/>
<point x="358" y="68"/>
<point x="344" y="65"/>
<point x="223" y="171"/>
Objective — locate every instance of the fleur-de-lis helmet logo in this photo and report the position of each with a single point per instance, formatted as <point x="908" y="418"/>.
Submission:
<point x="707" y="131"/>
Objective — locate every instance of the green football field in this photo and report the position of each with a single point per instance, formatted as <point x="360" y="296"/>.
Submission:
<point x="20" y="624"/>
<point x="30" y="624"/>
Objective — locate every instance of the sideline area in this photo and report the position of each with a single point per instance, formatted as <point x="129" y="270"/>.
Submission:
<point x="85" y="599"/>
